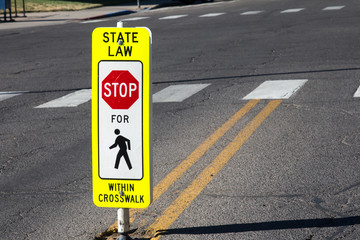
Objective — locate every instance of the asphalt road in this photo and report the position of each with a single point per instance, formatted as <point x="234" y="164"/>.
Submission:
<point x="284" y="169"/>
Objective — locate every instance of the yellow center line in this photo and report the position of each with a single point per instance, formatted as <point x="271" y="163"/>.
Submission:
<point x="174" y="175"/>
<point x="177" y="172"/>
<point x="194" y="189"/>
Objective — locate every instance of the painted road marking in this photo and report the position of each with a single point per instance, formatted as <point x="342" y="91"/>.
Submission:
<point x="332" y="8"/>
<point x="277" y="89"/>
<point x="293" y="10"/>
<point x="357" y="93"/>
<point x="212" y="15"/>
<point x="71" y="100"/>
<point x="177" y="93"/>
<point x="177" y="172"/>
<point x="163" y="222"/>
<point x="94" y="21"/>
<point x="172" y="17"/>
<point x="251" y="13"/>
<point x="7" y="95"/>
<point x="135" y="18"/>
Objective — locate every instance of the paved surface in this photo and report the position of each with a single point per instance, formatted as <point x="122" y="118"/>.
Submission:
<point x="295" y="177"/>
<point x="61" y="17"/>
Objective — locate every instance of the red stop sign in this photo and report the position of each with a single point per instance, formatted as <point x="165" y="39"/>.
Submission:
<point x="120" y="89"/>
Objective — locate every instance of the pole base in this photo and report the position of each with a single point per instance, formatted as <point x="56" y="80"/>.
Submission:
<point x="124" y="237"/>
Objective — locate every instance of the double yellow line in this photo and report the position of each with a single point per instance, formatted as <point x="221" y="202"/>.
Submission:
<point x="164" y="221"/>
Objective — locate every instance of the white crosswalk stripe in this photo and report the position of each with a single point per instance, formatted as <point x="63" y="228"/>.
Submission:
<point x="212" y="15"/>
<point x="276" y="89"/>
<point x="251" y="13"/>
<point x="177" y="93"/>
<point x="292" y="10"/>
<point x="357" y="93"/>
<point x="134" y="19"/>
<point x="93" y="21"/>
<point x="172" y="17"/>
<point x="71" y="100"/>
<point x="7" y="95"/>
<point x="332" y="8"/>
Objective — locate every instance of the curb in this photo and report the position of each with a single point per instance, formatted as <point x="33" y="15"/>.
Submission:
<point x="125" y="12"/>
<point x="113" y="14"/>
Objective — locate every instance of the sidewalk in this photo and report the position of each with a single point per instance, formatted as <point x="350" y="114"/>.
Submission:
<point x="54" y="18"/>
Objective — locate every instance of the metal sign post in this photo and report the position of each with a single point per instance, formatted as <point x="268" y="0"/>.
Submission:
<point x="123" y="222"/>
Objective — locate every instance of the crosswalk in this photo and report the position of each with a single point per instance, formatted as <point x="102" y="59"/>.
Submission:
<point x="246" y="13"/>
<point x="176" y="93"/>
<point x="218" y="14"/>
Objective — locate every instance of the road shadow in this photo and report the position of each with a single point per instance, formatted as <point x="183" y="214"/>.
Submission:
<point x="264" y="226"/>
<point x="159" y="3"/>
<point x="260" y="75"/>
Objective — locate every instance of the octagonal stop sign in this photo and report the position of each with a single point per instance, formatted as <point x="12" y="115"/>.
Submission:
<point x="120" y="89"/>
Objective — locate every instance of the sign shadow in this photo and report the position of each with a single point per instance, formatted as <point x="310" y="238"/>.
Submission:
<point x="264" y="226"/>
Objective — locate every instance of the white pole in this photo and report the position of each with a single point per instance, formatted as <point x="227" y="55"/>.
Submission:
<point x="123" y="213"/>
<point x="120" y="24"/>
<point x="123" y="220"/>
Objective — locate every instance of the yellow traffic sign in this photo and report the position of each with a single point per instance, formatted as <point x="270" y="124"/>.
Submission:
<point x="121" y="117"/>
